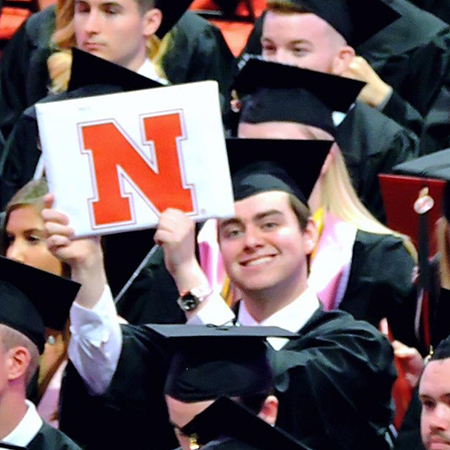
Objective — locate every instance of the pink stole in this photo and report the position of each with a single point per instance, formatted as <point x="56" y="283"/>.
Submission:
<point x="330" y="267"/>
<point x="210" y="258"/>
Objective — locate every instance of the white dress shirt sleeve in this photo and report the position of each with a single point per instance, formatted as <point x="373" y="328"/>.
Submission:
<point x="215" y="311"/>
<point x="96" y="342"/>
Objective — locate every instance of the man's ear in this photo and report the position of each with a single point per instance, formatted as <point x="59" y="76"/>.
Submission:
<point x="17" y="361"/>
<point x="342" y="60"/>
<point x="310" y="236"/>
<point x="269" y="410"/>
<point x="152" y="21"/>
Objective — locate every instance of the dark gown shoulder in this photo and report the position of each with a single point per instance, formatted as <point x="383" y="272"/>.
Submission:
<point x="381" y="284"/>
<point x="23" y="71"/>
<point x="49" y="438"/>
<point x="334" y="384"/>
<point x="199" y="52"/>
<point x="132" y="412"/>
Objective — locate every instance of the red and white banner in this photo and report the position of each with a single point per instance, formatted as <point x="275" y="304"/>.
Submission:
<point x="115" y="162"/>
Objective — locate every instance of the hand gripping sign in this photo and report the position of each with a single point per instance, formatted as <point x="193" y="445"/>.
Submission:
<point x="115" y="162"/>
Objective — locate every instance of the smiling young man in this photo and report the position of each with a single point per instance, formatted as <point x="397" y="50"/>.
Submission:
<point x="334" y="383"/>
<point x="265" y="251"/>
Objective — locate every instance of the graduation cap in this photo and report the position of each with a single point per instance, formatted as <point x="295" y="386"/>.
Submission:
<point x="355" y="20"/>
<point x="338" y="93"/>
<point x="227" y="418"/>
<point x="284" y="93"/>
<point x="437" y="166"/>
<point x="262" y="165"/>
<point x="89" y="70"/>
<point x="31" y="299"/>
<point x="211" y="361"/>
<point x="171" y="14"/>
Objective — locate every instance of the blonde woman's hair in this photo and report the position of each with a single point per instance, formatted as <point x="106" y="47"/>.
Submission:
<point x="338" y="196"/>
<point x="63" y="39"/>
<point x="443" y="242"/>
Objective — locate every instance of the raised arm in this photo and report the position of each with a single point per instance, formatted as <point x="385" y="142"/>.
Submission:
<point x="176" y="234"/>
<point x="96" y="340"/>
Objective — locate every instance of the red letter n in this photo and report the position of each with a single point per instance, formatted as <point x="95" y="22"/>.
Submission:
<point x="161" y="186"/>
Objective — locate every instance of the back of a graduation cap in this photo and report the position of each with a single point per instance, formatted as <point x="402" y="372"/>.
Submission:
<point x="32" y="299"/>
<point x="337" y="92"/>
<point x="437" y="166"/>
<point x="276" y="92"/>
<point x="355" y="20"/>
<point x="263" y="165"/>
<point x="88" y="70"/>
<point x="213" y="361"/>
<point x="227" y="419"/>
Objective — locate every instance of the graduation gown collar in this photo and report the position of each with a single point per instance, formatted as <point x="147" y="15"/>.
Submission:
<point x="27" y="429"/>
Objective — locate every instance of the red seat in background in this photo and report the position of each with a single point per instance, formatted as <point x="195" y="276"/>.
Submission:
<point x="236" y="28"/>
<point x="399" y="194"/>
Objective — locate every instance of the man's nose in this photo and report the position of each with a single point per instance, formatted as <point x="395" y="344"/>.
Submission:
<point x="440" y="419"/>
<point x="279" y="55"/>
<point x="93" y="22"/>
<point x="253" y="237"/>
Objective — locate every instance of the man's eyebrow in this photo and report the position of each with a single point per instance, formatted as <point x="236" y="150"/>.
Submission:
<point x="264" y="214"/>
<point x="109" y="4"/>
<point x="232" y="221"/>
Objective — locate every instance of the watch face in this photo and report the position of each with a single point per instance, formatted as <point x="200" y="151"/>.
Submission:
<point x="189" y="302"/>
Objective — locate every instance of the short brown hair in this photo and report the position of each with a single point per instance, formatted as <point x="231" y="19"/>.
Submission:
<point x="286" y="7"/>
<point x="301" y="211"/>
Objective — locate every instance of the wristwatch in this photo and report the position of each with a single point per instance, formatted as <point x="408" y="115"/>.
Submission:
<point x="189" y="300"/>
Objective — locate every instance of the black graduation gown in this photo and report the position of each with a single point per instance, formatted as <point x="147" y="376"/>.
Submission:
<point x="23" y="68"/>
<point x="333" y="382"/>
<point x="372" y="143"/>
<point x="49" y="438"/>
<point x="413" y="56"/>
<point x="438" y="7"/>
<point x="381" y="284"/>
<point x="388" y="53"/>
<point x="132" y="413"/>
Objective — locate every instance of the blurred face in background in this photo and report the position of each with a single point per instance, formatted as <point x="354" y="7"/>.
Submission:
<point x="26" y="240"/>
<point x="115" y="30"/>
<point x="304" y="40"/>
